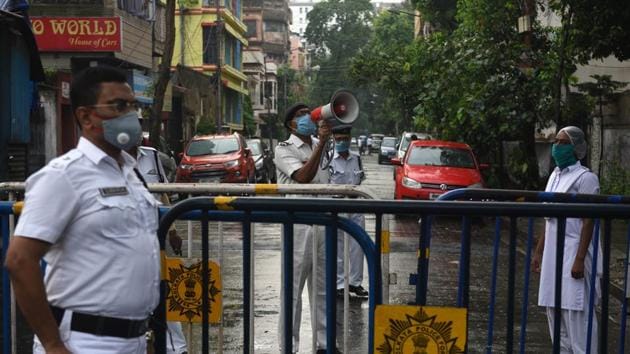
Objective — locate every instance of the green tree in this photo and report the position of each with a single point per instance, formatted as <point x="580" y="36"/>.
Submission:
<point x="382" y="67"/>
<point x="473" y="91"/>
<point x="598" y="28"/>
<point x="440" y="13"/>
<point x="336" y="31"/>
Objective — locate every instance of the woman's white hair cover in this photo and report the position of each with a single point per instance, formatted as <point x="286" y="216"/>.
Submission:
<point x="576" y="135"/>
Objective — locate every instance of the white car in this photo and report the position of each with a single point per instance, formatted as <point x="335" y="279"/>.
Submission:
<point x="405" y="138"/>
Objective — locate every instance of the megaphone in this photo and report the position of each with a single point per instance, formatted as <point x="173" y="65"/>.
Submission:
<point x="342" y="109"/>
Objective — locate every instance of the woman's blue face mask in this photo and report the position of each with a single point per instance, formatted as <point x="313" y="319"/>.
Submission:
<point x="305" y="126"/>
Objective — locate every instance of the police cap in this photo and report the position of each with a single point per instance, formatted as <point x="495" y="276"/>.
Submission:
<point x="291" y="112"/>
<point x="342" y="129"/>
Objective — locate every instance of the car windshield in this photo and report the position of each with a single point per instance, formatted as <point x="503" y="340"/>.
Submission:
<point x="440" y="156"/>
<point x="255" y="147"/>
<point x="389" y="142"/>
<point x="404" y="144"/>
<point x="212" y="147"/>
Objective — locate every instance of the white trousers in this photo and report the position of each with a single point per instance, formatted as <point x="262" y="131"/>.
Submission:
<point x="79" y="342"/>
<point x="175" y="340"/>
<point x="355" y="276"/>
<point x="302" y="274"/>
<point x="573" y="330"/>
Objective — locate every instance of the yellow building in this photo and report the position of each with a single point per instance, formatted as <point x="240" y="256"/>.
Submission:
<point x="197" y="45"/>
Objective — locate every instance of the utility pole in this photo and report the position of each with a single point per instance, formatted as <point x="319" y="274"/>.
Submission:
<point x="164" y="74"/>
<point x="218" y="120"/>
<point x="182" y="34"/>
<point x="267" y="96"/>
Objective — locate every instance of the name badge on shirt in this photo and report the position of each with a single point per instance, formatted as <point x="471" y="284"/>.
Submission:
<point x="113" y="191"/>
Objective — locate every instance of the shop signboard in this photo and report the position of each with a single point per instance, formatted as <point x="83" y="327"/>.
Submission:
<point x="77" y="34"/>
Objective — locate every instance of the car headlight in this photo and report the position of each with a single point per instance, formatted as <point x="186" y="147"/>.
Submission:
<point x="411" y="183"/>
<point x="232" y="163"/>
<point x="476" y="185"/>
<point x="185" y="167"/>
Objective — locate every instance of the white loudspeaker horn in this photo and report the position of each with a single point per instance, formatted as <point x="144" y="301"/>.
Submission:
<point x="342" y="109"/>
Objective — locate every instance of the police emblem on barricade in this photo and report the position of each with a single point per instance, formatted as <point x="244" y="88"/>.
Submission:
<point x="419" y="329"/>
<point x="183" y="300"/>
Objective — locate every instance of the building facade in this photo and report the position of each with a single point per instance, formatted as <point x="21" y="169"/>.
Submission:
<point x="214" y="45"/>
<point x="71" y="35"/>
<point x="21" y="68"/>
<point x="267" y="24"/>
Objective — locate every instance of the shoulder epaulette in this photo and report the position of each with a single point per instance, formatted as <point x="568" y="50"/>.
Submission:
<point x="285" y="143"/>
<point x="66" y="159"/>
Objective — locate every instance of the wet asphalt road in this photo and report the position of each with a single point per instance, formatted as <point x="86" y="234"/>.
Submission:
<point x="445" y="248"/>
<point x="404" y="242"/>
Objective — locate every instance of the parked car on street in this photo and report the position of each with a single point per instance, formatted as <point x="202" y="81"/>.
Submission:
<point x="374" y="142"/>
<point x="405" y="138"/>
<point x="216" y="159"/>
<point x="388" y="150"/>
<point x="433" y="167"/>
<point x="263" y="160"/>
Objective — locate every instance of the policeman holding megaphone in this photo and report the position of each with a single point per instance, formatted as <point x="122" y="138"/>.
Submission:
<point x="298" y="160"/>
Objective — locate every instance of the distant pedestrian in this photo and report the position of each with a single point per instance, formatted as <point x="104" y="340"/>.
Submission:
<point x="570" y="177"/>
<point x="88" y="215"/>
<point x="346" y="168"/>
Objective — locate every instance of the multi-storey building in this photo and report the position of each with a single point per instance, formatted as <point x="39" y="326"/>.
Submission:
<point x="72" y="35"/>
<point x="297" y="60"/>
<point x="213" y="45"/>
<point x="267" y="24"/>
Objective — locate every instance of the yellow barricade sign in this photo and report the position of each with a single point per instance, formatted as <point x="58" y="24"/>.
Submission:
<point x="183" y="299"/>
<point x="419" y="329"/>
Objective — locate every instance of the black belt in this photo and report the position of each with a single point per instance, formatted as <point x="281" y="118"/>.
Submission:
<point x="102" y="325"/>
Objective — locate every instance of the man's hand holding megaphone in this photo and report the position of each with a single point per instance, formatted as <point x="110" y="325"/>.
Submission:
<point x="342" y="109"/>
<point x="303" y="123"/>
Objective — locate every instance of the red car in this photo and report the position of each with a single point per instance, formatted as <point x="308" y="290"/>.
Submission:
<point x="216" y="159"/>
<point x="432" y="167"/>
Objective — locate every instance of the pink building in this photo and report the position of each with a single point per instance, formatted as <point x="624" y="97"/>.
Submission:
<point x="297" y="58"/>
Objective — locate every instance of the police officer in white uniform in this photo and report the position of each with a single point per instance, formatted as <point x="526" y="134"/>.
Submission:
<point x="346" y="168"/>
<point x="150" y="167"/>
<point x="570" y="177"/>
<point x="88" y="215"/>
<point x="297" y="160"/>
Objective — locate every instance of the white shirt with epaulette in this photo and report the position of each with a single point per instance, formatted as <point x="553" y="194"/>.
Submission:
<point x="102" y="225"/>
<point x="291" y="155"/>
<point x="346" y="171"/>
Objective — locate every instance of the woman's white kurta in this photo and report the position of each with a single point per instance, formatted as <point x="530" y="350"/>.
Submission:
<point x="575" y="293"/>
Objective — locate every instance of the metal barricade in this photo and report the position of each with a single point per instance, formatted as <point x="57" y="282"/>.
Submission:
<point x="321" y="211"/>
<point x="193" y="189"/>
<point x="520" y="196"/>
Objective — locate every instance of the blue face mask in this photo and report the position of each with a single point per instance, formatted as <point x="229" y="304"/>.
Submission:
<point x="563" y="155"/>
<point x="342" y="146"/>
<point x="305" y="126"/>
<point x="123" y="132"/>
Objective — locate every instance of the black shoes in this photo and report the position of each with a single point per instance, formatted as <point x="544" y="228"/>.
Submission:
<point x="355" y="292"/>
<point x="359" y="292"/>
<point x="323" y="351"/>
